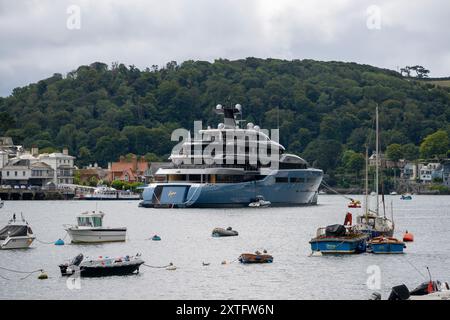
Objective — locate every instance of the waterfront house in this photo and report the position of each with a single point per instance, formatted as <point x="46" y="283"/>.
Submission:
<point x="384" y="162"/>
<point x="32" y="168"/>
<point x="129" y="170"/>
<point x="92" y="172"/>
<point x="409" y="171"/>
<point x="428" y="171"/>
<point x="446" y="172"/>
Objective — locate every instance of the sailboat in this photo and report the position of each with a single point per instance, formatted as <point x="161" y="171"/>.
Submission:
<point x="371" y="222"/>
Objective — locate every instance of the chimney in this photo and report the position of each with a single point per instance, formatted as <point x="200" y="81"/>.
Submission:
<point x="34" y="151"/>
<point x="65" y="151"/>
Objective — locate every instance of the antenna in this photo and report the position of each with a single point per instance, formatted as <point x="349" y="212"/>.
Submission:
<point x="429" y="273"/>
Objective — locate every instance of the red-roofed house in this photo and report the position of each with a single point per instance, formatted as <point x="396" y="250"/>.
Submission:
<point x="132" y="170"/>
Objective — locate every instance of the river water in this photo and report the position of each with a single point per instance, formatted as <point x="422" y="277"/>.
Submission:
<point x="187" y="242"/>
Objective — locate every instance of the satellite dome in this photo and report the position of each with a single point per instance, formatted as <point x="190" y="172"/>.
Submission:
<point x="238" y="106"/>
<point x="250" y="125"/>
<point x="256" y="128"/>
<point x="220" y="126"/>
<point x="219" y="107"/>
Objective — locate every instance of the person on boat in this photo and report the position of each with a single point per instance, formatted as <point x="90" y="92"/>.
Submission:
<point x="14" y="217"/>
<point x="348" y="219"/>
<point x="257" y="253"/>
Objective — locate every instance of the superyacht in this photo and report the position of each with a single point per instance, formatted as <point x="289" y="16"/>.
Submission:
<point x="230" y="166"/>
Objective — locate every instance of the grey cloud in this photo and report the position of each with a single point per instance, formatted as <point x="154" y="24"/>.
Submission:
<point x="35" y="42"/>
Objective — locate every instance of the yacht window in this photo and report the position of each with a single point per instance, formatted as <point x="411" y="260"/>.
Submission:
<point x="194" y="177"/>
<point x="97" y="221"/>
<point x="84" y="222"/>
<point x="297" y="180"/>
<point x="281" y="179"/>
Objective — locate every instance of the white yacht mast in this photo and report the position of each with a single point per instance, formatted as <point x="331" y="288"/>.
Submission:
<point x="366" y="184"/>
<point x="377" y="159"/>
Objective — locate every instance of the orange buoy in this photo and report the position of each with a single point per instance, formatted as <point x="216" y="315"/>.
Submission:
<point x="408" y="237"/>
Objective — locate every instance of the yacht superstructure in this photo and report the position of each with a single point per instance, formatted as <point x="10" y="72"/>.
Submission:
<point x="229" y="166"/>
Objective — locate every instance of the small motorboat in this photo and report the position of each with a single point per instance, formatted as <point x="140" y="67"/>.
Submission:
<point x="17" y="234"/>
<point x="256" y="257"/>
<point x="101" y="266"/>
<point x="429" y="290"/>
<point x="89" y="229"/>
<point x="228" y="232"/>
<point x="393" y="193"/>
<point x="259" y="202"/>
<point x="354" y="204"/>
<point x="156" y="238"/>
<point x="408" y="237"/>
<point x="406" y="196"/>
<point x="338" y="239"/>
<point x="385" y="245"/>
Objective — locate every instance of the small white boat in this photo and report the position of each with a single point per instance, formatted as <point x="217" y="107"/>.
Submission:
<point x="259" y="202"/>
<point x="89" y="229"/>
<point x="108" y="193"/>
<point x="393" y="193"/>
<point x="17" y="234"/>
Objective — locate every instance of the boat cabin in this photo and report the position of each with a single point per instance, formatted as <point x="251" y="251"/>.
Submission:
<point x="374" y="222"/>
<point x="90" y="219"/>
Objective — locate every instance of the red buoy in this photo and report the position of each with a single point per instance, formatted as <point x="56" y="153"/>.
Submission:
<point x="408" y="237"/>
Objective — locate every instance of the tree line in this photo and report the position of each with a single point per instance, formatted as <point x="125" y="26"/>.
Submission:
<point x="324" y="110"/>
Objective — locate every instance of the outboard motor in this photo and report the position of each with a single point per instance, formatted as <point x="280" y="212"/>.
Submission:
<point x="77" y="260"/>
<point x="400" y="292"/>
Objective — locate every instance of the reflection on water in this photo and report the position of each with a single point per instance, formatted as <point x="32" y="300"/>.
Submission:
<point x="187" y="242"/>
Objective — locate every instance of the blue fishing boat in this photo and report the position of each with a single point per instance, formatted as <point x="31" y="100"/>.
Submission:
<point x="338" y="239"/>
<point x="406" y="197"/>
<point x="385" y="245"/>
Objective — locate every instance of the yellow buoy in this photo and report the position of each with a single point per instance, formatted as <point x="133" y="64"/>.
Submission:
<point x="43" y="276"/>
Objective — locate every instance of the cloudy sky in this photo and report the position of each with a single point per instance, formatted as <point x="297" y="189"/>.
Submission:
<point x="42" y="37"/>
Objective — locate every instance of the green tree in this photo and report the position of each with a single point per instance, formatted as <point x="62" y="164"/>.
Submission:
<point x="394" y="152"/>
<point x="435" y="145"/>
<point x="410" y="151"/>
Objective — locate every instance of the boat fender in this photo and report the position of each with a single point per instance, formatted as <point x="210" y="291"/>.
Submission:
<point x="59" y="242"/>
<point x="43" y="275"/>
<point x="171" y="267"/>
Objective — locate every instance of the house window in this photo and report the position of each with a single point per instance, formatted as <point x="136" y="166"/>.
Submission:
<point x="23" y="173"/>
<point x="7" y="173"/>
<point x="15" y="173"/>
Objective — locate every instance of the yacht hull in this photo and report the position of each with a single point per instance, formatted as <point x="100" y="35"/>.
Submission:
<point x="218" y="195"/>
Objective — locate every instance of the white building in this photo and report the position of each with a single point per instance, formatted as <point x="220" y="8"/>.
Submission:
<point x="426" y="172"/>
<point x="34" y="169"/>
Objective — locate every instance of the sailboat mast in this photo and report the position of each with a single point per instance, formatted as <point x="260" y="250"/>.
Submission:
<point x="377" y="159"/>
<point x="366" y="200"/>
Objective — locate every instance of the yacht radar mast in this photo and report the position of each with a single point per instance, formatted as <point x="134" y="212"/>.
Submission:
<point x="229" y="113"/>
